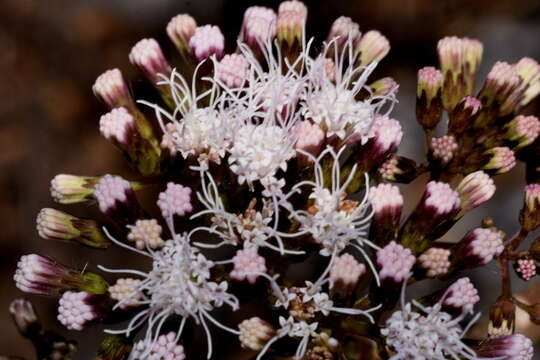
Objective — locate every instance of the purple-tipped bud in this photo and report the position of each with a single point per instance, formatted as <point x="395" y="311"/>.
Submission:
<point x="247" y="262"/>
<point x="119" y="127"/>
<point x="387" y="135"/>
<point x="57" y="225"/>
<point x="207" y="41"/>
<point x="428" y="97"/>
<point x="259" y="27"/>
<point x="529" y="71"/>
<point x="522" y="130"/>
<point x="398" y="169"/>
<point x="474" y="190"/>
<point x="372" y="47"/>
<point x="175" y="200"/>
<point x="384" y="86"/>
<point x="478" y="247"/>
<point x="344" y="29"/>
<point x="125" y="292"/>
<point x="25" y="318"/>
<point x="77" y="309"/>
<point x="463" y="115"/>
<point x="525" y="268"/>
<point x="509" y="347"/>
<point x="309" y="138"/>
<point x="461" y="296"/>
<point x="164" y="347"/>
<point x="148" y="57"/>
<point x="500" y="83"/>
<point x="180" y="30"/>
<point x="255" y="333"/>
<point x="43" y="276"/>
<point x="387" y="203"/>
<point x="232" y="70"/>
<point x="443" y="148"/>
<point x="146" y="234"/>
<point x="71" y="189"/>
<point x="345" y="273"/>
<point x="501" y="160"/>
<point x="435" y="261"/>
<point x="438" y="205"/>
<point x="395" y="263"/>
<point x="111" y="88"/>
<point x="530" y="213"/>
<point x="116" y="198"/>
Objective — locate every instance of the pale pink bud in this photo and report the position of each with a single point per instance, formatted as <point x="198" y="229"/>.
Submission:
<point x="475" y="189"/>
<point x="180" y="30"/>
<point x="166" y="347"/>
<point x="111" y="191"/>
<point x="395" y="262"/>
<point x="148" y="57"/>
<point x="259" y="26"/>
<point x="439" y="199"/>
<point x="435" y="261"/>
<point x="207" y="41"/>
<point x="461" y="295"/>
<point x="247" y="262"/>
<point x="342" y="30"/>
<point x="372" y="47"/>
<point x="77" y="309"/>
<point x="125" y="292"/>
<point x="479" y="247"/>
<point x="175" y="200"/>
<point x="387" y="204"/>
<point x="118" y="125"/>
<point x="146" y="234"/>
<point x="111" y="88"/>
<point x="255" y="333"/>
<point x="502" y="160"/>
<point x="525" y="268"/>
<point x="523" y="130"/>
<point x="309" y="138"/>
<point x="167" y="141"/>
<point x="346" y="272"/>
<point x="443" y="148"/>
<point x="232" y="70"/>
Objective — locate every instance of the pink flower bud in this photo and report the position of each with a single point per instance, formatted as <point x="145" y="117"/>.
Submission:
<point x="435" y="261"/>
<point x="345" y="273"/>
<point x="146" y="234"/>
<point x="176" y="200"/>
<point x="475" y="189"/>
<point x="443" y="148"/>
<point x="118" y="125"/>
<point x="207" y="41"/>
<point x="525" y="268"/>
<point x="309" y="138"/>
<point x="77" y="309"/>
<point x="255" y="333"/>
<point x="246" y="263"/>
<point x="509" y="347"/>
<point x="395" y="262"/>
<point x="111" y="88"/>
<point x="180" y="30"/>
<point x="479" y="247"/>
<point x="344" y="29"/>
<point x="372" y="47"/>
<point x="125" y="292"/>
<point x="461" y="295"/>
<point x="502" y="160"/>
<point x="149" y="58"/>
<point x="232" y="70"/>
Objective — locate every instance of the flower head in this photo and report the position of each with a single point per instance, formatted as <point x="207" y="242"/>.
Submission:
<point x="111" y="88"/>
<point x="76" y="309"/>
<point x="232" y="70"/>
<point x="180" y="30"/>
<point x="509" y="347"/>
<point x="175" y="200"/>
<point x="479" y="247"/>
<point x="345" y="273"/>
<point x="443" y="148"/>
<point x="474" y="190"/>
<point x="164" y="347"/>
<point x="395" y="262"/>
<point x="501" y="160"/>
<point x="248" y="264"/>
<point x="146" y="233"/>
<point x="461" y="295"/>
<point x="125" y="292"/>
<point x="255" y="333"/>
<point x="148" y="57"/>
<point x="435" y="261"/>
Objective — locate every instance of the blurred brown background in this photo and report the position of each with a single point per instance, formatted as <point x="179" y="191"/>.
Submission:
<point x="51" y="52"/>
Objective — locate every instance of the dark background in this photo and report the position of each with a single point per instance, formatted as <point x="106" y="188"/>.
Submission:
<point x="51" y="51"/>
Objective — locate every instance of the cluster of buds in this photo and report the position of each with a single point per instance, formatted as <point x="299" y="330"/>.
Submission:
<point x="276" y="160"/>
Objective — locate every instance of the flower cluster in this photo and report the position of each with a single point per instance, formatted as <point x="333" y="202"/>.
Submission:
<point x="279" y="155"/>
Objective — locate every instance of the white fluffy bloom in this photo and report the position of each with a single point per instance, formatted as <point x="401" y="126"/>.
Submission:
<point x="259" y="151"/>
<point x="178" y="284"/>
<point x="426" y="333"/>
